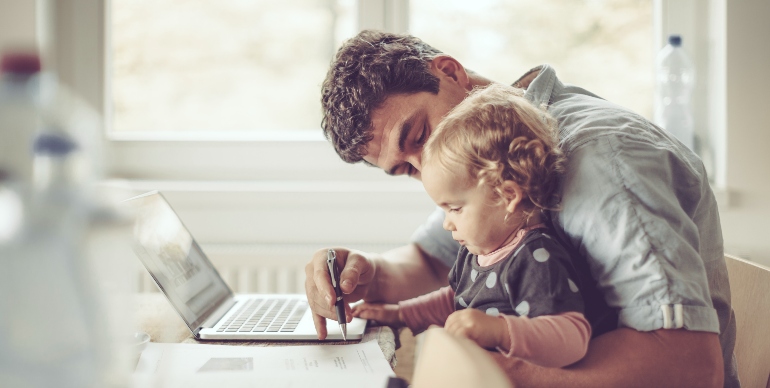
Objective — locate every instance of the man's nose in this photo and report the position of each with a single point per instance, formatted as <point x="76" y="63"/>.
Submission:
<point x="415" y="160"/>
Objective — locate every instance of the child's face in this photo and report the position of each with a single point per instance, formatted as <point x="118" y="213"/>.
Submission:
<point x="474" y="214"/>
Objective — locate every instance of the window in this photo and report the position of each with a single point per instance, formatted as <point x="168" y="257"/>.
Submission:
<point x="230" y="65"/>
<point x="158" y="83"/>
<point x="597" y="44"/>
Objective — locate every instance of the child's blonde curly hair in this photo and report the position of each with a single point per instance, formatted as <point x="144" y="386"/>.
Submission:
<point x="495" y="135"/>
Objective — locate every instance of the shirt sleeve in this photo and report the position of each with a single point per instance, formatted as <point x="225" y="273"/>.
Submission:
<point x="430" y="309"/>
<point x="434" y="240"/>
<point x="551" y="341"/>
<point x="630" y="205"/>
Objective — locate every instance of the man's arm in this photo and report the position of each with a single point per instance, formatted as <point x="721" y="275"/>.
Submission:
<point x="405" y="272"/>
<point x="630" y="358"/>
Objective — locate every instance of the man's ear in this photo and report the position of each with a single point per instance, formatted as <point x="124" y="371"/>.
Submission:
<point x="512" y="195"/>
<point x="444" y="65"/>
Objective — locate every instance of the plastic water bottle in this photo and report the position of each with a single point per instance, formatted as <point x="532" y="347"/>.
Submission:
<point x="675" y="80"/>
<point x="52" y="331"/>
<point x="19" y="114"/>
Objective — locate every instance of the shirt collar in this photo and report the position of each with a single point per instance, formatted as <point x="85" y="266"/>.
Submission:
<point x="543" y="87"/>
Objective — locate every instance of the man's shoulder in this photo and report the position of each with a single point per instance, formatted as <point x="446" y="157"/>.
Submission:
<point x="582" y="115"/>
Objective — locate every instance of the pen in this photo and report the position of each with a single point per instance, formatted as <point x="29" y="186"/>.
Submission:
<point x="334" y="272"/>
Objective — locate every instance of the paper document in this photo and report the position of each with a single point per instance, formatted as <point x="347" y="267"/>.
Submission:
<point x="171" y="365"/>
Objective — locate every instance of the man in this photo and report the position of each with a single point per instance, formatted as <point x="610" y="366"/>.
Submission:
<point x="636" y="207"/>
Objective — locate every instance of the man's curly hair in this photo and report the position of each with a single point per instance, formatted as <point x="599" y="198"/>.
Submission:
<point x="495" y="135"/>
<point x="366" y="70"/>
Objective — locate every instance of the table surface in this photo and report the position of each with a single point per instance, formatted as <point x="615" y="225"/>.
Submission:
<point x="155" y="316"/>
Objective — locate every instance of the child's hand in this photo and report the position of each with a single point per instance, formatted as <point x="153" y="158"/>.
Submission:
<point x="387" y="314"/>
<point x="486" y="330"/>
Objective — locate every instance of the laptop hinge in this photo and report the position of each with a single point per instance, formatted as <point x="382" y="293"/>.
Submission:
<point x="217" y="314"/>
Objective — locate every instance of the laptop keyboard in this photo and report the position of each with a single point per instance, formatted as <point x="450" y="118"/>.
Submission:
<point x="270" y="315"/>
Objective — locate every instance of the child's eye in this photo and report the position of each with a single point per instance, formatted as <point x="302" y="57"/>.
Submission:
<point x="455" y="209"/>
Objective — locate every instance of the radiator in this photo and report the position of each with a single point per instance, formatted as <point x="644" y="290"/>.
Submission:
<point x="252" y="278"/>
<point x="264" y="269"/>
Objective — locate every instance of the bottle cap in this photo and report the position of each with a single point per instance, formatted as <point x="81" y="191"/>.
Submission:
<point x="20" y="63"/>
<point x="53" y="144"/>
<point x="675" y="40"/>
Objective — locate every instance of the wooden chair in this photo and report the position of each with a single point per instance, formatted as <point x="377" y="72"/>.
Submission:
<point x="448" y="361"/>
<point x="750" y="289"/>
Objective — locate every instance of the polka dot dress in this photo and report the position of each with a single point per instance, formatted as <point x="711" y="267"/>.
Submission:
<point x="538" y="278"/>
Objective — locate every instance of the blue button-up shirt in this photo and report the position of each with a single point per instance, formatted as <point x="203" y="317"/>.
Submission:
<point x="637" y="206"/>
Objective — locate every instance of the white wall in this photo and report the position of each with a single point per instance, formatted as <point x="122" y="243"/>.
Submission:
<point x="746" y="220"/>
<point x="17" y="24"/>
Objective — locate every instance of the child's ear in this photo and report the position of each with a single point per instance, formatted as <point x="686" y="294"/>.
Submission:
<point x="512" y="194"/>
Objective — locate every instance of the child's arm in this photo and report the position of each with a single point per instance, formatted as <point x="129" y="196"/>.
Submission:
<point x="416" y="313"/>
<point x="429" y="309"/>
<point x="386" y="314"/>
<point x="551" y="341"/>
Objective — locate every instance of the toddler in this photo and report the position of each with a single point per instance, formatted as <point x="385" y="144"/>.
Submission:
<point x="493" y="166"/>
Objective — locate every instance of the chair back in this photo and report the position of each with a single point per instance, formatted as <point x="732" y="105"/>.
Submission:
<point x="750" y="290"/>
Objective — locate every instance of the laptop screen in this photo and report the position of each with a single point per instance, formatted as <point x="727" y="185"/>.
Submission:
<point x="175" y="261"/>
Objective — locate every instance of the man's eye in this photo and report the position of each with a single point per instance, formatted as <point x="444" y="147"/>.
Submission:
<point x="423" y="135"/>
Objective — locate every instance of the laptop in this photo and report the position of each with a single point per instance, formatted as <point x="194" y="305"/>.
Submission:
<point x="207" y="305"/>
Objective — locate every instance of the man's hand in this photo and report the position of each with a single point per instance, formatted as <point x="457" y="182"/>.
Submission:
<point x="386" y="314"/>
<point x="356" y="277"/>
<point x="486" y="330"/>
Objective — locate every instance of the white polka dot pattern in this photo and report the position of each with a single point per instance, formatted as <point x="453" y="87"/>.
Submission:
<point x="522" y="309"/>
<point x="541" y="255"/>
<point x="493" y="311"/>
<point x="474" y="274"/>
<point x="461" y="301"/>
<point x="572" y="286"/>
<point x="491" y="280"/>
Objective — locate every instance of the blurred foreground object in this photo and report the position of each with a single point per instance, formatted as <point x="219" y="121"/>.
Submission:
<point x="452" y="362"/>
<point x="19" y="115"/>
<point x="53" y="330"/>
